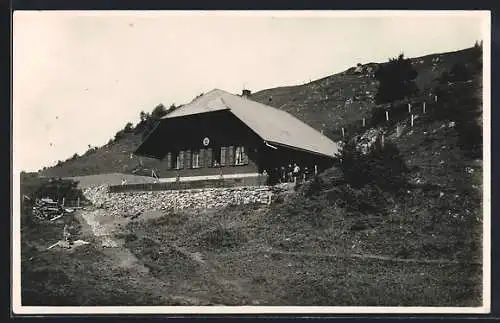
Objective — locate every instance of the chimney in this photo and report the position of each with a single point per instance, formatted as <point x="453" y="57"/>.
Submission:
<point x="246" y="93"/>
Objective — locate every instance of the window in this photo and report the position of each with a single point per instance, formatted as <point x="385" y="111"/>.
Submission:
<point x="208" y="157"/>
<point x="216" y="157"/>
<point x="179" y="160"/>
<point x="240" y="156"/>
<point x="195" y="159"/>
<point x="169" y="161"/>
<point x="222" y="156"/>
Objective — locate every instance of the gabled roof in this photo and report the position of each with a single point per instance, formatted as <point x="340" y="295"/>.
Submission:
<point x="271" y="124"/>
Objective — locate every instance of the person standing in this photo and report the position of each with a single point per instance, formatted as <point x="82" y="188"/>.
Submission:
<point x="305" y="174"/>
<point x="296" y="173"/>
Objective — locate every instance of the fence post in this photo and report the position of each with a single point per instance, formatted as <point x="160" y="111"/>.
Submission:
<point x="409" y="107"/>
<point x="412" y="117"/>
<point x="435" y="98"/>
<point x="387" y="115"/>
<point x="78" y="201"/>
<point x="423" y="108"/>
<point x="382" y="141"/>
<point x="63" y="200"/>
<point x="343" y="132"/>
<point x="364" y="122"/>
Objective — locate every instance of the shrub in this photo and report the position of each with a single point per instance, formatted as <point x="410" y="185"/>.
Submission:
<point x="396" y="80"/>
<point x="158" y="112"/>
<point x="383" y="167"/>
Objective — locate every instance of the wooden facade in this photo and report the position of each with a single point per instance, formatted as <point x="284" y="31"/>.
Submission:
<point x="218" y="143"/>
<point x="223" y="134"/>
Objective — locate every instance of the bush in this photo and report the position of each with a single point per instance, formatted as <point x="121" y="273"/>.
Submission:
<point x="461" y="103"/>
<point x="396" y="80"/>
<point x="383" y="167"/>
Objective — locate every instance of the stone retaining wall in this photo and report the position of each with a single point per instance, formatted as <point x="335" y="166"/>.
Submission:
<point x="134" y="203"/>
<point x="192" y="184"/>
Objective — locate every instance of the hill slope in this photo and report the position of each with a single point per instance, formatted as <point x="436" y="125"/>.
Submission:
<point x="327" y="104"/>
<point x="329" y="243"/>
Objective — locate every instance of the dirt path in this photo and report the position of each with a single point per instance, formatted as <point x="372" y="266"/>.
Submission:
<point x="104" y="228"/>
<point x="359" y="256"/>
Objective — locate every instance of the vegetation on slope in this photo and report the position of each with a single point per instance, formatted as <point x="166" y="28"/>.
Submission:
<point x="399" y="224"/>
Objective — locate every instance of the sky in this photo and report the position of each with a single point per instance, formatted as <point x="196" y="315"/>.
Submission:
<point x="79" y="77"/>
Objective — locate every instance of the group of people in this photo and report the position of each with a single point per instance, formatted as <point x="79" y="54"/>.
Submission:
<point x="292" y="173"/>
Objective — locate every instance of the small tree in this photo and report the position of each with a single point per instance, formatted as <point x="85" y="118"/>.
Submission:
<point x="396" y="80"/>
<point x="382" y="167"/>
<point x="128" y="127"/>
<point x="158" y="112"/>
<point x="458" y="73"/>
<point x="477" y="57"/>
<point x="172" y="108"/>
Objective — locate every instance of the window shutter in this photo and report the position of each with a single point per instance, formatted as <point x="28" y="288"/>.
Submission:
<point x="245" y="155"/>
<point x="187" y="159"/>
<point x="222" y="156"/>
<point x="202" y="162"/>
<point x="208" y="158"/>
<point x="230" y="155"/>
<point x="181" y="159"/>
<point x="169" y="160"/>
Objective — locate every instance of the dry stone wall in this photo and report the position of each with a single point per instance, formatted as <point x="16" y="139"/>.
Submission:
<point x="134" y="203"/>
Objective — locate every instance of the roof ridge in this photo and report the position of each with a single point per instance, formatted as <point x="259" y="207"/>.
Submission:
<point x="270" y="123"/>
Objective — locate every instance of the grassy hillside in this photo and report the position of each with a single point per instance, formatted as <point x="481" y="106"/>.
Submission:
<point x="339" y="100"/>
<point x="339" y="239"/>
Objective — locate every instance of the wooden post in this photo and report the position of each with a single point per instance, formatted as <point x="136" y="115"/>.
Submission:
<point x="63" y="200"/>
<point x="315" y="169"/>
<point x="78" y="202"/>
<point x="397" y="130"/>
<point x="423" y="108"/>
<point x="412" y="117"/>
<point x="387" y="115"/>
<point x="435" y="98"/>
<point x="382" y="141"/>
<point x="364" y="122"/>
<point x="409" y="107"/>
<point x="343" y="132"/>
